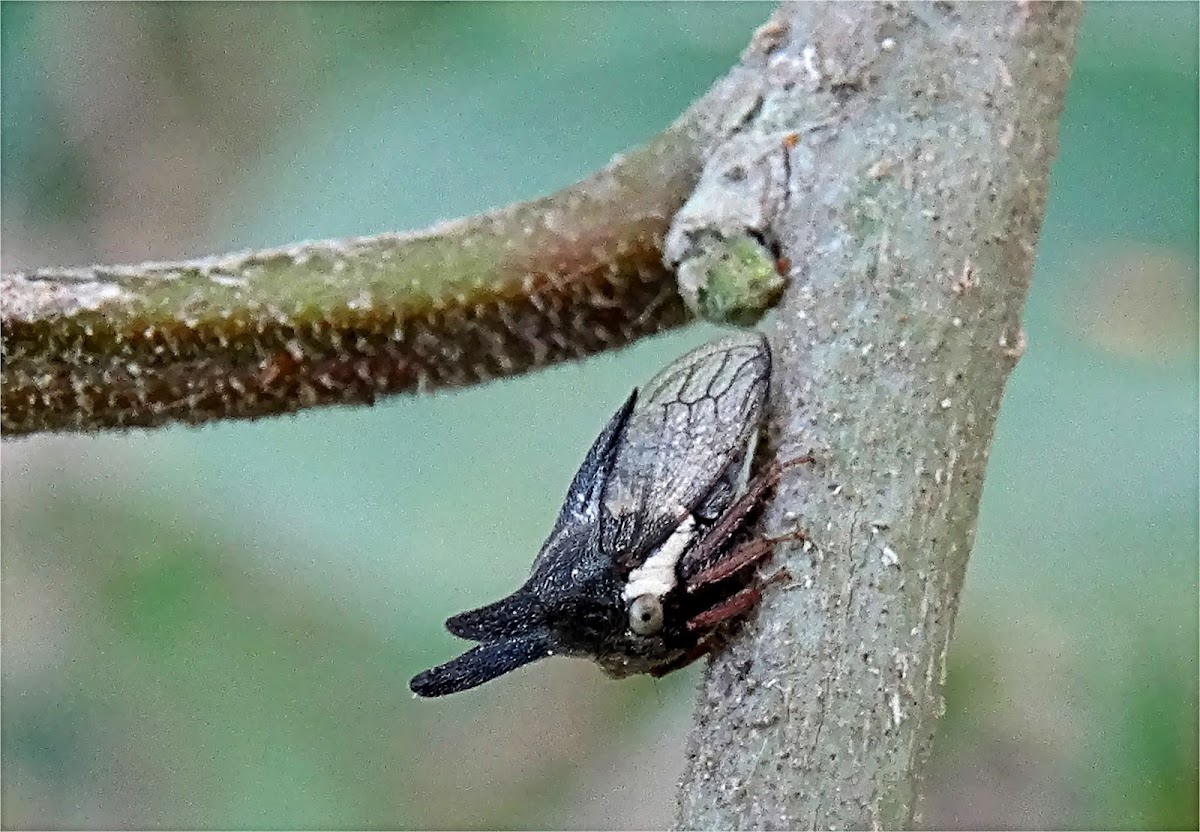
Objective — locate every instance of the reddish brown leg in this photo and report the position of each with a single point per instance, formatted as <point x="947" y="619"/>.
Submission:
<point x="731" y="607"/>
<point x="735" y="517"/>
<point x="748" y="553"/>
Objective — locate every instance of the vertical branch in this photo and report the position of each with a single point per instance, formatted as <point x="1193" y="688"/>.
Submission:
<point x="900" y="164"/>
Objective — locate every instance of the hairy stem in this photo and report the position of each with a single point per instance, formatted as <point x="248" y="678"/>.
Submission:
<point x="345" y="322"/>
<point x="349" y="321"/>
<point x="900" y="161"/>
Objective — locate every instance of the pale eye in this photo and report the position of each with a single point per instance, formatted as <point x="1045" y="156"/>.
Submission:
<point x="645" y="615"/>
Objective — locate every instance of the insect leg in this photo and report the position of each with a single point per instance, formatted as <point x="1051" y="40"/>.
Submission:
<point x="748" y="553"/>
<point x="731" y="521"/>
<point x="731" y="607"/>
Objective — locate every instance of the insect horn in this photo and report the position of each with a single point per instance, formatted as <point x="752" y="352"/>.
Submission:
<point x="583" y="497"/>
<point x="520" y="613"/>
<point x="480" y="664"/>
<point x="511" y="616"/>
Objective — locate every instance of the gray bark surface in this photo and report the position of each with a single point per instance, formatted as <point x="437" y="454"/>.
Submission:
<point x="897" y="157"/>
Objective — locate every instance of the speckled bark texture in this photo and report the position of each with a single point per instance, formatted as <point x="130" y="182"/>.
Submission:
<point x="898" y="159"/>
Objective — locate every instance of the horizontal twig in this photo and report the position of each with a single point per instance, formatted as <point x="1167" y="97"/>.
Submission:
<point x="348" y="321"/>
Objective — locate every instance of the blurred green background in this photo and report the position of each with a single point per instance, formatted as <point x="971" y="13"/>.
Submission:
<point x="215" y="627"/>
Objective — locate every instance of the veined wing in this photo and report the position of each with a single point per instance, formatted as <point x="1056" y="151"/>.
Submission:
<point x="692" y="425"/>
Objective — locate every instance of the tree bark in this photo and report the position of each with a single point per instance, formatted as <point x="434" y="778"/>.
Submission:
<point x="898" y="161"/>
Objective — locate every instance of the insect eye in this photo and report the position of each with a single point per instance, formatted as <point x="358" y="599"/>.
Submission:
<point x="645" y="615"/>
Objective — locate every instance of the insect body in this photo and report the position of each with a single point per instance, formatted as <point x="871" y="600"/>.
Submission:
<point x="635" y="573"/>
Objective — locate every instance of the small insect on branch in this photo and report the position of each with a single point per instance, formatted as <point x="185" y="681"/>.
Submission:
<point x="650" y="520"/>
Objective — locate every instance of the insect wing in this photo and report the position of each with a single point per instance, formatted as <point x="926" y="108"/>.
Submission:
<point x="692" y="427"/>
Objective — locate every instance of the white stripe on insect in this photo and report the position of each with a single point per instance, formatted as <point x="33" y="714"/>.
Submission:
<point x="657" y="575"/>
